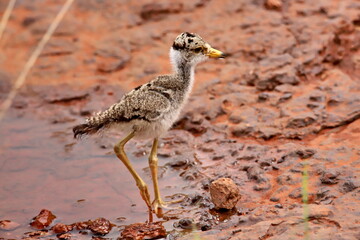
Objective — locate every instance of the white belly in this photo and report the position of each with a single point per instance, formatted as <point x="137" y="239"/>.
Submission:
<point x="145" y="130"/>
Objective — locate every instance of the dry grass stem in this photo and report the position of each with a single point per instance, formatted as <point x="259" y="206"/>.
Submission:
<point x="34" y="56"/>
<point x="6" y="16"/>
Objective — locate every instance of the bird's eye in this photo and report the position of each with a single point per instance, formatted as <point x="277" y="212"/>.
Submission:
<point x="197" y="50"/>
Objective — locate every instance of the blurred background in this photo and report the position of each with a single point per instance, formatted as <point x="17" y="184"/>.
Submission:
<point x="289" y="93"/>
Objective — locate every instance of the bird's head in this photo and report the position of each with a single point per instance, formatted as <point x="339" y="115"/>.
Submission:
<point x="190" y="47"/>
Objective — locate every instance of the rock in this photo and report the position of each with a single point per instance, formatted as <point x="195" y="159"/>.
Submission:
<point x="158" y="11"/>
<point x="110" y="59"/>
<point x="302" y="120"/>
<point x="269" y="80"/>
<point x="278" y="206"/>
<point x="329" y="176"/>
<point x="204" y="220"/>
<point x="235" y="116"/>
<point x="267" y="115"/>
<point x="198" y="200"/>
<point x="297" y="168"/>
<point x="217" y="157"/>
<point x="267" y="133"/>
<point x="319" y="211"/>
<point x="61" y="228"/>
<point x="197" y="118"/>
<point x="112" y="64"/>
<point x="288" y="159"/>
<point x="350" y="185"/>
<point x="305" y="153"/>
<point x="195" y="128"/>
<point x="8" y="225"/>
<point x="29" y="21"/>
<point x="65" y="97"/>
<point x="273" y="4"/>
<point x="317" y="96"/>
<point x="98" y="238"/>
<point x="139" y="231"/>
<point x="58" y="46"/>
<point x="286" y="96"/>
<point x="250" y="153"/>
<point x="185" y="223"/>
<point x="325" y="195"/>
<point x="256" y="173"/>
<point x="278" y="194"/>
<point x="190" y="174"/>
<point x="277" y="61"/>
<point x="66" y="28"/>
<point x="296" y="193"/>
<point x="274" y="199"/>
<point x="43" y="219"/>
<point x="81" y="225"/>
<point x="36" y="234"/>
<point x="204" y="226"/>
<point x="243" y="114"/>
<point x="224" y="193"/>
<point x="64" y="236"/>
<point x="264" y="163"/>
<point x="263" y="96"/>
<point x="242" y="129"/>
<point x="177" y="163"/>
<point x="263" y="186"/>
<point x="100" y="226"/>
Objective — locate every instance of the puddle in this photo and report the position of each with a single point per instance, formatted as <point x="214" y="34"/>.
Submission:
<point x="42" y="166"/>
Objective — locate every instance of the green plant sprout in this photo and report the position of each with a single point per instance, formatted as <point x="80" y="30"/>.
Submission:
<point x="305" y="200"/>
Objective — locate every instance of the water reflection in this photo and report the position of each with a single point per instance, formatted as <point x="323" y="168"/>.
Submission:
<point x="42" y="166"/>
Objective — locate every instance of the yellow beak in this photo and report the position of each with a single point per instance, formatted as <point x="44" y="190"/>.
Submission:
<point x="214" y="53"/>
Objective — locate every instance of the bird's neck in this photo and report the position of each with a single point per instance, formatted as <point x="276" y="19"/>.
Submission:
<point x="182" y="68"/>
<point x="185" y="71"/>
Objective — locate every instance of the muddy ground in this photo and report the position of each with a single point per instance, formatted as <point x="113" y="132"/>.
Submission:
<point x="286" y="101"/>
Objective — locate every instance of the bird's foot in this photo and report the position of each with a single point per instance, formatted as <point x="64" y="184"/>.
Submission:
<point x="158" y="204"/>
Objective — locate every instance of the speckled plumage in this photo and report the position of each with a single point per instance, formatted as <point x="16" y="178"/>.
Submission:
<point x="151" y="109"/>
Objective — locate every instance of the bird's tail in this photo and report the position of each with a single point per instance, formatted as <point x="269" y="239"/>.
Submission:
<point x="93" y="125"/>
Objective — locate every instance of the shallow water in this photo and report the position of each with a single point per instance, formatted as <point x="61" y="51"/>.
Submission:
<point x="42" y="166"/>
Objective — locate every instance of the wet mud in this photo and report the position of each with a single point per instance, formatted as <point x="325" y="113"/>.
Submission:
<point x="281" y="112"/>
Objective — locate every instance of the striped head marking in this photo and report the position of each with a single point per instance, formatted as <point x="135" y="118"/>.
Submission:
<point x="192" y="43"/>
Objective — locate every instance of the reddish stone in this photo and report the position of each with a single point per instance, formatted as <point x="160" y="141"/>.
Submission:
<point x="139" y="231"/>
<point x="43" y="220"/>
<point x="64" y="236"/>
<point x="100" y="226"/>
<point x="61" y="228"/>
<point x="273" y="4"/>
<point x="81" y="225"/>
<point x="224" y="193"/>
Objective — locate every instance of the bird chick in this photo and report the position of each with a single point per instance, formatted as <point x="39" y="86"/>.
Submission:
<point x="149" y="111"/>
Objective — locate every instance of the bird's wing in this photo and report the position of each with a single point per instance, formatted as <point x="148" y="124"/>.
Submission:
<point x="146" y="102"/>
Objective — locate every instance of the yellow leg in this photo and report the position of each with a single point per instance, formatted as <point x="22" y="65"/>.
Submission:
<point x="120" y="153"/>
<point x="153" y="163"/>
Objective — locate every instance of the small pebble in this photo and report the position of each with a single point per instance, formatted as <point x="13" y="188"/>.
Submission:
<point x="185" y="223"/>
<point x="224" y="193"/>
<point x="279" y="205"/>
<point x="100" y="226"/>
